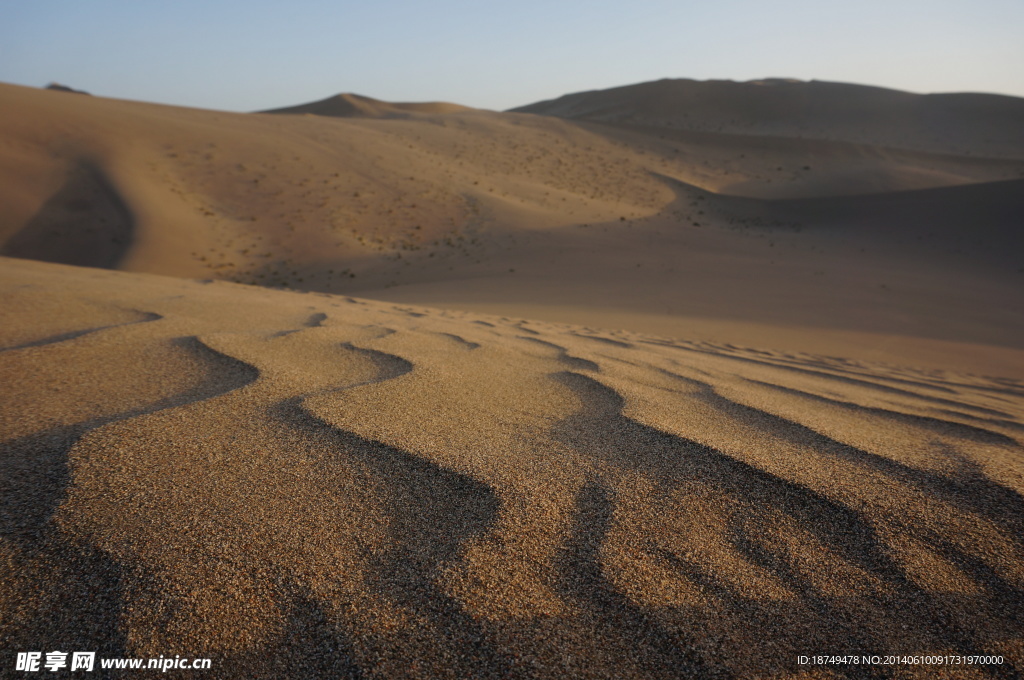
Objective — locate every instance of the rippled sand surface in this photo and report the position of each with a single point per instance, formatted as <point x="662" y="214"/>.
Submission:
<point x="308" y="485"/>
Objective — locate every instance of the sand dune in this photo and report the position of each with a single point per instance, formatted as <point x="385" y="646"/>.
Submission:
<point x="358" y="106"/>
<point x="952" y="123"/>
<point x="521" y="214"/>
<point x="623" y="385"/>
<point x="64" y="88"/>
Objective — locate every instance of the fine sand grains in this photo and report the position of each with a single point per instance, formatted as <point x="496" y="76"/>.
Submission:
<point x="301" y="485"/>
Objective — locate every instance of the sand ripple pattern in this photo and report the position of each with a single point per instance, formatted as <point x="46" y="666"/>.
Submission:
<point x="298" y="486"/>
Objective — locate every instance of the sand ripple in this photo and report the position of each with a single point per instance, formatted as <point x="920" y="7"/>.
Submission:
<point x="299" y="486"/>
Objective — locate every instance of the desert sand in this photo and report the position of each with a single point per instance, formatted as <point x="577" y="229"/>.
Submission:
<point x="675" y="380"/>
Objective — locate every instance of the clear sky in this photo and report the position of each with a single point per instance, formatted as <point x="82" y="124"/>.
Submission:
<point x="261" y="54"/>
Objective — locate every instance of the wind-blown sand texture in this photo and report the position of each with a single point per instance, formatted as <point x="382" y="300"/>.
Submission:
<point x="628" y="402"/>
<point x="298" y="485"/>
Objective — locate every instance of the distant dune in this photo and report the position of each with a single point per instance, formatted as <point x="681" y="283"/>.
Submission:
<point x="953" y="123"/>
<point x="680" y="379"/>
<point x="64" y="88"/>
<point x="354" y="105"/>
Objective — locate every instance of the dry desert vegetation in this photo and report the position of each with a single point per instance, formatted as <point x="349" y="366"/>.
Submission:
<point x="675" y="380"/>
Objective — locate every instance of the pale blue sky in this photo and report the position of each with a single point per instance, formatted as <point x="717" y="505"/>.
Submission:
<point x="259" y="54"/>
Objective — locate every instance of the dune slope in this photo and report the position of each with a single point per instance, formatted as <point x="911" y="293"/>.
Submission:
<point x="758" y="238"/>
